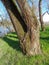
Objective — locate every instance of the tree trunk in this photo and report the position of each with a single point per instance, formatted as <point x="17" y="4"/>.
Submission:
<point x="40" y="15"/>
<point x="29" y="40"/>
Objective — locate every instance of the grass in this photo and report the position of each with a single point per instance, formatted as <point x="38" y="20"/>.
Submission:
<point x="11" y="54"/>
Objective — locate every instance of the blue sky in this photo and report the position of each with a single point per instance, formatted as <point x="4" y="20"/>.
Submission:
<point x="3" y="11"/>
<point x="44" y="4"/>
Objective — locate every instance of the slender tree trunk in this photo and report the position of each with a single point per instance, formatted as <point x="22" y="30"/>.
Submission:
<point x="29" y="40"/>
<point x="40" y="15"/>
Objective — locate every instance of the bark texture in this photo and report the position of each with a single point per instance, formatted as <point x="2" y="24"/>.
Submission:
<point x="26" y="26"/>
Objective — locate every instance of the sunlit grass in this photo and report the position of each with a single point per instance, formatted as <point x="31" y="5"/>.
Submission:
<point x="11" y="53"/>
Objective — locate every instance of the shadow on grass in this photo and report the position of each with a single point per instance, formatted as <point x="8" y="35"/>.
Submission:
<point x="44" y="38"/>
<point x="13" y="35"/>
<point x="14" y="44"/>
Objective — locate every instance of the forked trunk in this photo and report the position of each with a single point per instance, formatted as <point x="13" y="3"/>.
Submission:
<point x="29" y="40"/>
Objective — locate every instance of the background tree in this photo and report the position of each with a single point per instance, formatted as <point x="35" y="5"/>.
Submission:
<point x="26" y="25"/>
<point x="2" y="22"/>
<point x="48" y="5"/>
<point x="40" y="15"/>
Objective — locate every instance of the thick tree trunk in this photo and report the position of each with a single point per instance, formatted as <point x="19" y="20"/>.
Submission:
<point x="32" y="27"/>
<point x="40" y="15"/>
<point x="29" y="40"/>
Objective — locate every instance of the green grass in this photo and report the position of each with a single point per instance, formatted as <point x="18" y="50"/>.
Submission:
<point x="11" y="54"/>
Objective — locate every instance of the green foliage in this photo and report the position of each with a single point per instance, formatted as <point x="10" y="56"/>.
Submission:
<point x="11" y="54"/>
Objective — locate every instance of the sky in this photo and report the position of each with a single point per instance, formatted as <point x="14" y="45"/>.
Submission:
<point x="3" y="11"/>
<point x="44" y="4"/>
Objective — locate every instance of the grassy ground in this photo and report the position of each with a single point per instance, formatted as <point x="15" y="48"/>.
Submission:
<point x="11" y="54"/>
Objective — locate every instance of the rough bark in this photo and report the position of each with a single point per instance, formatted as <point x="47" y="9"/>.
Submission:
<point x="15" y="17"/>
<point x="29" y="40"/>
<point x="32" y="26"/>
<point x="40" y="15"/>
